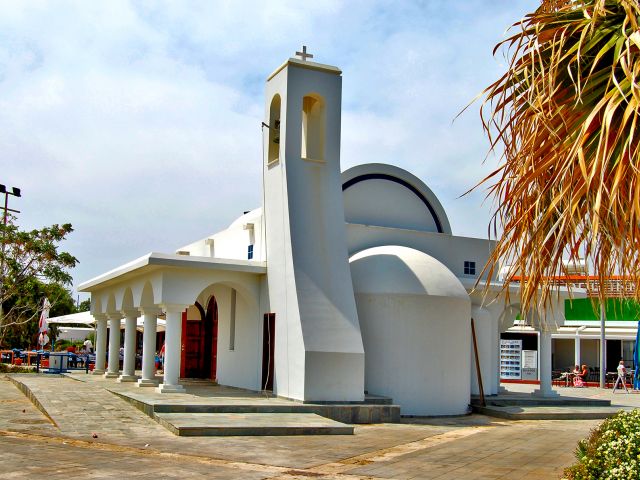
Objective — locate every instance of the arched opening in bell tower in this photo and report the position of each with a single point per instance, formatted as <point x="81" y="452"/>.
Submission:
<point x="274" y="129"/>
<point x="313" y="120"/>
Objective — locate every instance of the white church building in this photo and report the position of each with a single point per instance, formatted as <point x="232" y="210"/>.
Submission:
<point x="343" y="282"/>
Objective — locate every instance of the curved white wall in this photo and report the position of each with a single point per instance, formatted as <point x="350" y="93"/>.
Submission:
<point x="388" y="196"/>
<point x="387" y="204"/>
<point x="415" y="322"/>
<point x="419" y="359"/>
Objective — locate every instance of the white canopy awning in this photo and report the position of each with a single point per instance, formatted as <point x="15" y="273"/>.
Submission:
<point x="85" y="318"/>
<point x="74" y="318"/>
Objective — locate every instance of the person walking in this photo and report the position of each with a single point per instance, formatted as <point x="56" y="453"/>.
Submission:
<point x="622" y="375"/>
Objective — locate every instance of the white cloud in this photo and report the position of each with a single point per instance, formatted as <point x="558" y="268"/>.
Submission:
<point x="139" y="122"/>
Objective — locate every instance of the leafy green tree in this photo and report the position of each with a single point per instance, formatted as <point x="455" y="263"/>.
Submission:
<point x="25" y="334"/>
<point x="84" y="306"/>
<point x="32" y="268"/>
<point x="565" y="118"/>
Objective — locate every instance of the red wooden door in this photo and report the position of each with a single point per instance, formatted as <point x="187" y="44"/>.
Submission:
<point x="210" y="346"/>
<point x="200" y="343"/>
<point x="192" y="348"/>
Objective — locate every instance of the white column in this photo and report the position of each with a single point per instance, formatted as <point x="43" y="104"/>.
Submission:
<point x="149" y="347"/>
<point x="101" y="343"/>
<point x="495" y="359"/>
<point x="129" y="364"/>
<point x="545" y="389"/>
<point x="172" y="350"/>
<point x="576" y="350"/>
<point x="504" y="322"/>
<point x="603" y="346"/>
<point x="484" y="327"/>
<point x="113" y="369"/>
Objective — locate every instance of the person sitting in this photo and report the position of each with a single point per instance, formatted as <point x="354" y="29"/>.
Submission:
<point x="581" y="377"/>
<point x="573" y="374"/>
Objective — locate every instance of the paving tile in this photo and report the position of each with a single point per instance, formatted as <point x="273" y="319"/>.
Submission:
<point x="130" y="444"/>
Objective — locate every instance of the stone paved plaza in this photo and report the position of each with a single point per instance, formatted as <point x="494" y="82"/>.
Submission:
<point x="130" y="444"/>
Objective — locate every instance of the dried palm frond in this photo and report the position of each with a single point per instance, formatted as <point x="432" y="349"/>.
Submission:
<point x="566" y="117"/>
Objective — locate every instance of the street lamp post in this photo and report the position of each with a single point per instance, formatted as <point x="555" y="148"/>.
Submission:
<point x="16" y="193"/>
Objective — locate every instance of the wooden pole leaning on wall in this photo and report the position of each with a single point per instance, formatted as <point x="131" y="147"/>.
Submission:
<point x="475" y="351"/>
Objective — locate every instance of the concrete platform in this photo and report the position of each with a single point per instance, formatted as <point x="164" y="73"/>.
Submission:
<point x="518" y="403"/>
<point x="508" y="400"/>
<point x="245" y="403"/>
<point x="130" y="444"/>
<point x="202" y="397"/>
<point x="542" y="412"/>
<point x="253" y="424"/>
<point x="205" y="408"/>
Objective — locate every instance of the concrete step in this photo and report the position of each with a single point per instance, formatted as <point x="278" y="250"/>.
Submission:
<point x="556" y="412"/>
<point x="345" y="413"/>
<point x="255" y="424"/>
<point x="369" y="399"/>
<point x="505" y="401"/>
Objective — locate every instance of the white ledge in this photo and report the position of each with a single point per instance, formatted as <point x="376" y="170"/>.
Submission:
<point x="176" y="261"/>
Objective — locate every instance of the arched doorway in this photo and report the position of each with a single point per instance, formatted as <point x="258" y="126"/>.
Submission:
<point x="200" y="342"/>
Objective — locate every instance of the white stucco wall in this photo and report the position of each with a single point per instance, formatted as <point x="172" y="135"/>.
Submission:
<point x="388" y="196"/>
<point x="240" y="367"/>
<point x="289" y="344"/>
<point x="451" y="250"/>
<point x="415" y="320"/>
<point x="319" y="353"/>
<point x="388" y="204"/>
<point x="487" y="338"/>
<point x="420" y="360"/>
<point x="233" y="242"/>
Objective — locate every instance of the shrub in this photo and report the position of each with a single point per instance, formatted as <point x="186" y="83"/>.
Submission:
<point x="611" y="452"/>
<point x="61" y="345"/>
<point x="8" y="368"/>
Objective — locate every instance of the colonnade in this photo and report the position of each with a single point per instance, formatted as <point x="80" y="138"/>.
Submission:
<point x="172" y="354"/>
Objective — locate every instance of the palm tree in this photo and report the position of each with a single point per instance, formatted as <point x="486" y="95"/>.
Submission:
<point x="565" y="119"/>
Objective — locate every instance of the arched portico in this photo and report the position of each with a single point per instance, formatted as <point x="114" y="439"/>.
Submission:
<point x="223" y="335"/>
<point x="225" y="295"/>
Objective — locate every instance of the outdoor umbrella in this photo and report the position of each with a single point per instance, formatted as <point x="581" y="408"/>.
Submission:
<point x="43" y="325"/>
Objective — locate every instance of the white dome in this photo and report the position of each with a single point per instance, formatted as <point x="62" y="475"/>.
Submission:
<point x="394" y="269"/>
<point x="388" y="196"/>
<point x="252" y="216"/>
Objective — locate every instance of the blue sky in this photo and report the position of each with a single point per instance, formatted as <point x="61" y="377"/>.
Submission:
<point x="139" y="122"/>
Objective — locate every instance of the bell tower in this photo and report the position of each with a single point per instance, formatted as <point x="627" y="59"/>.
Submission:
<point x="318" y="345"/>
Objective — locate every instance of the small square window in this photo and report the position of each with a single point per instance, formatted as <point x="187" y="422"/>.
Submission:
<point x="250" y="252"/>
<point x="469" y="268"/>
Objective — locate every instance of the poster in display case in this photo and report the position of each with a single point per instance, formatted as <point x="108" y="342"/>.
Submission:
<point x="510" y="359"/>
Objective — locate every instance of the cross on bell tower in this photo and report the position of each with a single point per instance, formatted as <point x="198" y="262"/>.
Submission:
<point x="303" y="54"/>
